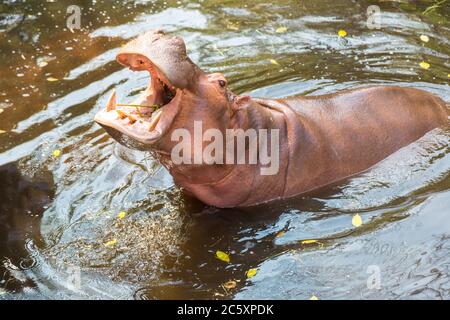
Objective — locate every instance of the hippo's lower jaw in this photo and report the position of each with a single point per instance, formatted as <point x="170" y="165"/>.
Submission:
<point x="142" y="122"/>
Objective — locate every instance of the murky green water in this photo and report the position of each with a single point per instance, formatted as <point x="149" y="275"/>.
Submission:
<point x="60" y="236"/>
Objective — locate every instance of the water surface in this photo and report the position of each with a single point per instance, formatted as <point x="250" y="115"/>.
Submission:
<point x="60" y="235"/>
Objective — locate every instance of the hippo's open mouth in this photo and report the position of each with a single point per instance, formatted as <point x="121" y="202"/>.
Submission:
<point x="144" y="121"/>
<point x="149" y="117"/>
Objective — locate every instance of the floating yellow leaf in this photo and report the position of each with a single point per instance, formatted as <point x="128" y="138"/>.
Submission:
<point x="233" y="26"/>
<point x="424" y="65"/>
<point x="111" y="243"/>
<point x="342" y="33"/>
<point x="251" y="272"/>
<point x="356" y="220"/>
<point x="281" y="30"/>
<point x="223" y="256"/>
<point x="56" y="153"/>
<point x="2" y="131"/>
<point x="424" y="38"/>
<point x="1" y="111"/>
<point x="309" y="241"/>
<point x="51" y="79"/>
<point x="280" y="234"/>
<point x="42" y="64"/>
<point x="230" y="284"/>
<point x="275" y="62"/>
<point x="121" y="215"/>
<point x="313" y="297"/>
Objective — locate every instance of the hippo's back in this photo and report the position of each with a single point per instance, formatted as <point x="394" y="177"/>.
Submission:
<point x="348" y="132"/>
<point x="399" y="114"/>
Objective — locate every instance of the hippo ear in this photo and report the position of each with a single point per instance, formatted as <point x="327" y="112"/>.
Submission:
<point x="241" y="102"/>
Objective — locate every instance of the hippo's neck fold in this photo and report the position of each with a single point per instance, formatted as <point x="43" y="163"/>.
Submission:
<point x="229" y="185"/>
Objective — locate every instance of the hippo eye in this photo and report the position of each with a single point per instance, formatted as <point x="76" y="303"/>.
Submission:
<point x="222" y="83"/>
<point x="141" y="62"/>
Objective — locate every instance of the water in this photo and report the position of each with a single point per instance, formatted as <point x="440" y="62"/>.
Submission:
<point x="60" y="235"/>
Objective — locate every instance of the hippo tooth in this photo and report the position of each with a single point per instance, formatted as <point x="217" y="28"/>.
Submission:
<point x="131" y="118"/>
<point x="122" y="115"/>
<point x="154" y="120"/>
<point x="111" y="104"/>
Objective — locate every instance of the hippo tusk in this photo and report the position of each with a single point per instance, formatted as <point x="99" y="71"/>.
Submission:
<point x="155" y="119"/>
<point x="111" y="104"/>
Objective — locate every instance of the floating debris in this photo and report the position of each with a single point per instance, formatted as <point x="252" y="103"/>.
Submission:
<point x="2" y="131"/>
<point x="111" y="243"/>
<point x="56" y="153"/>
<point x="52" y="79"/>
<point x="217" y="294"/>
<point x="309" y="241"/>
<point x="251" y="273"/>
<point x="280" y="234"/>
<point x="356" y="220"/>
<point x="122" y="215"/>
<point x="424" y="65"/>
<point x="233" y="27"/>
<point x="223" y="256"/>
<point x="43" y="61"/>
<point x="273" y="61"/>
<point x="230" y="284"/>
<point x="42" y="64"/>
<point x="281" y="30"/>
<point x="342" y="33"/>
<point x="313" y="297"/>
<point x="434" y="7"/>
<point x="424" y="38"/>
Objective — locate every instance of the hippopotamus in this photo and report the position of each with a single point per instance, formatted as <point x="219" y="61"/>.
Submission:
<point x="320" y="140"/>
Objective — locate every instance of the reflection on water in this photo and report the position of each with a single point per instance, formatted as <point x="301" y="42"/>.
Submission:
<point x="61" y="234"/>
